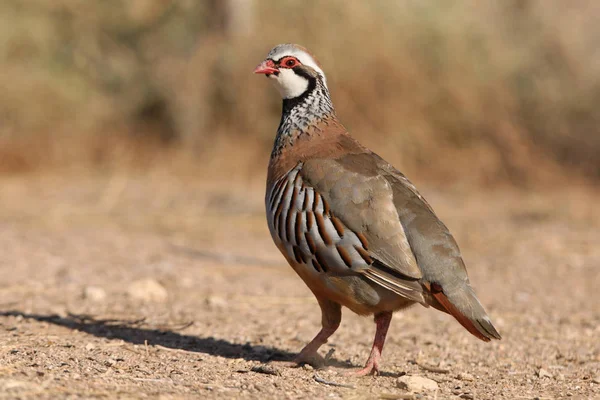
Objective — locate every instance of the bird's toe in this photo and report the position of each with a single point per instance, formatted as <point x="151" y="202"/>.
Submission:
<point x="313" y="359"/>
<point x="372" y="368"/>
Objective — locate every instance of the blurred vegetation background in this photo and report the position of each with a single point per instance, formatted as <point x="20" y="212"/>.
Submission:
<point x="469" y="91"/>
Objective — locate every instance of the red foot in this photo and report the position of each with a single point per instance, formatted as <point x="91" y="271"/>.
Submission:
<point x="372" y="368"/>
<point x="309" y="354"/>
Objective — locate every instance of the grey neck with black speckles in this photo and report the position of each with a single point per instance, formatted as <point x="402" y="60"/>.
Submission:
<point x="298" y="113"/>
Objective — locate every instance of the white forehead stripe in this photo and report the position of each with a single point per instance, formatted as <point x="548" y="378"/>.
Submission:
<point x="283" y="50"/>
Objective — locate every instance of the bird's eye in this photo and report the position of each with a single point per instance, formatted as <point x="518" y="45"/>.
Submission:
<point x="290" y="62"/>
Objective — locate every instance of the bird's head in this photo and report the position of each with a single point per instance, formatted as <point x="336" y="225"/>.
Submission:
<point x="293" y="70"/>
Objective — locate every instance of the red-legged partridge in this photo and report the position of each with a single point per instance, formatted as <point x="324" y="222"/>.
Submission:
<point x="352" y="226"/>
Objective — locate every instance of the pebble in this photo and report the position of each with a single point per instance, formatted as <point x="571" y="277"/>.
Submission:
<point x="542" y="373"/>
<point x="465" y="376"/>
<point x="416" y="383"/>
<point x="148" y="290"/>
<point x="216" y="302"/>
<point x="94" y="293"/>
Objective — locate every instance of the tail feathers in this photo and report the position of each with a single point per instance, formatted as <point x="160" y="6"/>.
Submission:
<point x="468" y="311"/>
<point x="410" y="289"/>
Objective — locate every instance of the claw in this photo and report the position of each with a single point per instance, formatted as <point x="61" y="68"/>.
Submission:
<point x="311" y="358"/>
<point x="372" y="368"/>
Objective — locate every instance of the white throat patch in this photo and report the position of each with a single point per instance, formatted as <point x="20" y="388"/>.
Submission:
<point x="289" y="84"/>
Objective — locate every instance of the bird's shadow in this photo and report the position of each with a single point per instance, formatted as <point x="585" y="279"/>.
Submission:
<point x="133" y="332"/>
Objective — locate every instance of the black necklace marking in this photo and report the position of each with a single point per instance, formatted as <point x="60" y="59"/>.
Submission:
<point x="312" y="106"/>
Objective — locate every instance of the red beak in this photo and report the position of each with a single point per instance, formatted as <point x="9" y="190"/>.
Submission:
<point x="267" y="67"/>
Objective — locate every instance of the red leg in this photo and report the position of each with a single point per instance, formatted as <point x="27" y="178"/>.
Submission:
<point x="382" y="321"/>
<point x="331" y="316"/>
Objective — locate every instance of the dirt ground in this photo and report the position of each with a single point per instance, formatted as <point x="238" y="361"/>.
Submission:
<point x="154" y="286"/>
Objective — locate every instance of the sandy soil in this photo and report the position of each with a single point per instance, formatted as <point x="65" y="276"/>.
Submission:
<point x="153" y="286"/>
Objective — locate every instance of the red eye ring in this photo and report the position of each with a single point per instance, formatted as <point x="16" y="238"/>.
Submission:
<point x="289" y="62"/>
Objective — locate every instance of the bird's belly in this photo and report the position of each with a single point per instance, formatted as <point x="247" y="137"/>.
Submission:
<point x="354" y="291"/>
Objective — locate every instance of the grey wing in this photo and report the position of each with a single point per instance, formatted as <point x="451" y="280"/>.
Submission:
<point x="360" y="214"/>
<point x="432" y="243"/>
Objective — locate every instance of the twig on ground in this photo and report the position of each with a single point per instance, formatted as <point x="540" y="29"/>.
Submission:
<point x="393" y="396"/>
<point x="330" y="383"/>
<point x="159" y="380"/>
<point x="159" y="347"/>
<point x="183" y="326"/>
<point x="85" y="318"/>
<point x="329" y="354"/>
<point x="431" y="368"/>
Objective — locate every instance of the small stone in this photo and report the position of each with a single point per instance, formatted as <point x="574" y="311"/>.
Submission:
<point x="148" y="290"/>
<point x="94" y="293"/>
<point x="416" y="383"/>
<point x="596" y="380"/>
<point x="542" y="373"/>
<point x="216" y="302"/>
<point x="266" y="369"/>
<point x="465" y="376"/>
<point x="90" y="346"/>
<point x="307" y="367"/>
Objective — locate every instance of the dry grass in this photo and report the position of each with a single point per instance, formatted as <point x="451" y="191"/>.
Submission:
<point x="469" y="91"/>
